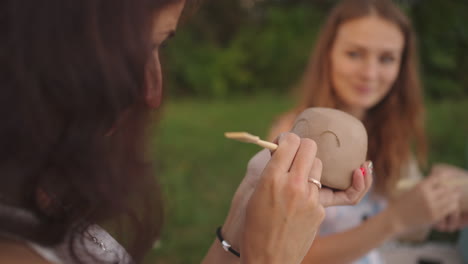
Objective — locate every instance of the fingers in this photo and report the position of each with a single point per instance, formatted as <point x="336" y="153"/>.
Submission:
<point x="367" y="168"/>
<point x="359" y="180"/>
<point x="295" y="155"/>
<point x="316" y="174"/>
<point x="329" y="198"/>
<point x="450" y="223"/>
<point x="255" y="168"/>
<point x="369" y="177"/>
<point x="357" y="188"/>
<point x="435" y="187"/>
<point x="448" y="207"/>
<point x="453" y="221"/>
<point x="282" y="158"/>
<point x="258" y="162"/>
<point x="440" y="226"/>
<point x="360" y="185"/>
<point x="463" y="220"/>
<point x="305" y="161"/>
<point x="451" y="201"/>
<point x="439" y="179"/>
<point x="442" y="192"/>
<point x="362" y="181"/>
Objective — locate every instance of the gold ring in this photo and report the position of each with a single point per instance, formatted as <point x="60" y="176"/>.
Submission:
<point x="314" y="181"/>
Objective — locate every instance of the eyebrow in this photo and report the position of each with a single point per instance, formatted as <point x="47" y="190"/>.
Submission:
<point x="385" y="49"/>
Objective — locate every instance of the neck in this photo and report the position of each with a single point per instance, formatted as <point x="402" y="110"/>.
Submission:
<point x="356" y="112"/>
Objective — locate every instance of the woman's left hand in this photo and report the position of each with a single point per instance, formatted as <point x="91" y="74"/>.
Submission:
<point x="452" y="222"/>
<point x="362" y="181"/>
<point x="234" y="224"/>
<point x="457" y="219"/>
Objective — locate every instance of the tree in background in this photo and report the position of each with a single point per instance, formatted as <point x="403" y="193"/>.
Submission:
<point x="257" y="46"/>
<point x="443" y="34"/>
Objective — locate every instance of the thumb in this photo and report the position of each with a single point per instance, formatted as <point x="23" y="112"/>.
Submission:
<point x="258" y="162"/>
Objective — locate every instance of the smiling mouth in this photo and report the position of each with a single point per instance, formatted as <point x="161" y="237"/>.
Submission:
<point x="363" y="89"/>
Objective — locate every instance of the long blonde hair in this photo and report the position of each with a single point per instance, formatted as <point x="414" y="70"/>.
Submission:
<point x="395" y="123"/>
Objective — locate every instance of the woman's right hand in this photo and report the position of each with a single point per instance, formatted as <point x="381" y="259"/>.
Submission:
<point x="425" y="204"/>
<point x="284" y="212"/>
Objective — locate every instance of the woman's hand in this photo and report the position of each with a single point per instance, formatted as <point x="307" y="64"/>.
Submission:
<point x="232" y="229"/>
<point x="427" y="203"/>
<point x="451" y="222"/>
<point x="234" y="225"/>
<point x="284" y="213"/>
<point x="362" y="181"/>
<point x="457" y="219"/>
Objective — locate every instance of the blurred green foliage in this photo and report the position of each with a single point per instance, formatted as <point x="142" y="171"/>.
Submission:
<point x="225" y="49"/>
<point x="443" y="35"/>
<point x="265" y="50"/>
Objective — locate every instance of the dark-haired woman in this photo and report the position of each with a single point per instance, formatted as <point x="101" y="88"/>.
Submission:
<point x="78" y="79"/>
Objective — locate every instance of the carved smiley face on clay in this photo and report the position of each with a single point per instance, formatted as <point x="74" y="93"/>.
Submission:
<point x="341" y="141"/>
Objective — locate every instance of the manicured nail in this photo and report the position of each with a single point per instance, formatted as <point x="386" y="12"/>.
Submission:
<point x="363" y="171"/>
<point x="370" y="166"/>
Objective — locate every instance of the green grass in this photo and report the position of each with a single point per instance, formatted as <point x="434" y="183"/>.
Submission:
<point x="200" y="169"/>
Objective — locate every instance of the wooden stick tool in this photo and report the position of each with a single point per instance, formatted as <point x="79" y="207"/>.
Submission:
<point x="249" y="138"/>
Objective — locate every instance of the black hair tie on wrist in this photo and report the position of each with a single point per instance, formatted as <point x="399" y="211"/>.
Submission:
<point x="224" y="243"/>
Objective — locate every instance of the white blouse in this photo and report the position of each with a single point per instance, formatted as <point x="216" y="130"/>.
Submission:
<point x="95" y="245"/>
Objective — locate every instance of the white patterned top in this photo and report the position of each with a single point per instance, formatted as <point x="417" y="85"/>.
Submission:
<point x="95" y="245"/>
<point x="341" y="218"/>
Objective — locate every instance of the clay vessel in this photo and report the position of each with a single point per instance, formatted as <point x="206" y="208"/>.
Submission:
<point x="341" y="141"/>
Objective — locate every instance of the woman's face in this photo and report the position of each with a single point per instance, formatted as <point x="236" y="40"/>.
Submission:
<point x="365" y="61"/>
<point x="164" y="26"/>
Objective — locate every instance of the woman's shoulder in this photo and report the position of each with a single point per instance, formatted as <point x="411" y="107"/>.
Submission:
<point x="282" y="123"/>
<point x="15" y="252"/>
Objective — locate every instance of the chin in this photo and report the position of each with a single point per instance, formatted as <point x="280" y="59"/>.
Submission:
<point x="370" y="106"/>
<point x="366" y="104"/>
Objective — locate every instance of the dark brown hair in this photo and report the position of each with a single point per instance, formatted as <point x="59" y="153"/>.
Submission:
<point x="396" y="122"/>
<point x="74" y="118"/>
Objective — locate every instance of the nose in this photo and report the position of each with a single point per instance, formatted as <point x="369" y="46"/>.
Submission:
<point x="370" y="69"/>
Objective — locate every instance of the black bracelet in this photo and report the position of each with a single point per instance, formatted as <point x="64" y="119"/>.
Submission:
<point x="224" y="243"/>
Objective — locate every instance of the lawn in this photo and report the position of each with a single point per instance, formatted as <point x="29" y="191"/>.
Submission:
<point x="200" y="169"/>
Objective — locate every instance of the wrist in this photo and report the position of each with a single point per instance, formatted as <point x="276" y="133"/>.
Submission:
<point x="233" y="226"/>
<point x="225" y="243"/>
<point x="393" y="222"/>
<point x="231" y="231"/>
<point x="217" y="254"/>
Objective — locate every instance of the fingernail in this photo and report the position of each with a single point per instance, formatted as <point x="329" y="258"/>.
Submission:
<point x="370" y="166"/>
<point x="363" y="171"/>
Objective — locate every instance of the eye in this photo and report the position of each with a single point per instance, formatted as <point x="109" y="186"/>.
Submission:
<point x="353" y="54"/>
<point x="387" y="59"/>
<point x="157" y="46"/>
<point x="163" y="45"/>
